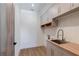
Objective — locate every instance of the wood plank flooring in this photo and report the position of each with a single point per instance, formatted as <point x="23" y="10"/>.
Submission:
<point x="36" y="51"/>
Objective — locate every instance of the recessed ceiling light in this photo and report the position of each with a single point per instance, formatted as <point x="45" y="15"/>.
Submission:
<point x="32" y="5"/>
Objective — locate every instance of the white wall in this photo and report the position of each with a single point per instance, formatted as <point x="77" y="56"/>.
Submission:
<point x="29" y="26"/>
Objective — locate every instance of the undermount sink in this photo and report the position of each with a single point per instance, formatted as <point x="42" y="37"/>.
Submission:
<point x="59" y="41"/>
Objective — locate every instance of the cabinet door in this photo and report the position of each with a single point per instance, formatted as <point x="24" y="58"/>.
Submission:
<point x="63" y="8"/>
<point x="48" y="49"/>
<point x="54" y="11"/>
<point x="10" y="13"/>
<point x="43" y="19"/>
<point x="57" y="52"/>
<point x="52" y="51"/>
<point x="74" y="5"/>
<point x="50" y="16"/>
<point x="61" y="52"/>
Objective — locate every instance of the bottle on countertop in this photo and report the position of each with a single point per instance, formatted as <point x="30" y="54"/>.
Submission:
<point x="49" y="37"/>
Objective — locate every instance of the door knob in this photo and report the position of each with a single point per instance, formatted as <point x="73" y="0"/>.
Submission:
<point x="14" y="43"/>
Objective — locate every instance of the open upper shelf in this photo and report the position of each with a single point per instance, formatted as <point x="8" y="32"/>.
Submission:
<point x="47" y="24"/>
<point x="53" y="23"/>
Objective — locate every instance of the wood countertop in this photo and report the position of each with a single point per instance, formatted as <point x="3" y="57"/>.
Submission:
<point x="69" y="46"/>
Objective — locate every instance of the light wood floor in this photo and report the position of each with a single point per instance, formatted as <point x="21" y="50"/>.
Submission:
<point x="36" y="51"/>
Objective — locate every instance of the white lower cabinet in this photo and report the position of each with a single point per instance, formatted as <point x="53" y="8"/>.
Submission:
<point x="53" y="50"/>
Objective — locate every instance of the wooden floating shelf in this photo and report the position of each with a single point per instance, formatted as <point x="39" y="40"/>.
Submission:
<point x="47" y="24"/>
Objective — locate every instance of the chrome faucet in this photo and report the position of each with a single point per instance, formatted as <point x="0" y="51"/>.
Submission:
<point x="60" y="35"/>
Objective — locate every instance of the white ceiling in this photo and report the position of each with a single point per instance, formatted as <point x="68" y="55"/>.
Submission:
<point x="28" y="6"/>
